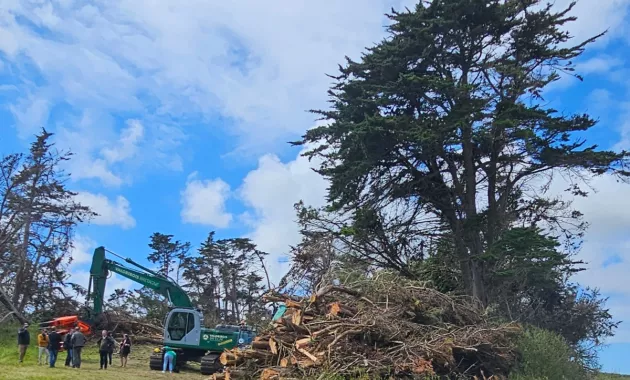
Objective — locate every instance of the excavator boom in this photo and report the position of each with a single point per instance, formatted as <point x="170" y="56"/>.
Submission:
<point x="161" y="284"/>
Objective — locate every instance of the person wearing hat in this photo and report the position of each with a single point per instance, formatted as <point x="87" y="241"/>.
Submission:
<point x="42" y="344"/>
<point x="23" y="340"/>
<point x="169" y="359"/>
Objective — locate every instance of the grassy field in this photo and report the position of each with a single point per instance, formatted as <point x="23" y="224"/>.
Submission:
<point x="137" y="367"/>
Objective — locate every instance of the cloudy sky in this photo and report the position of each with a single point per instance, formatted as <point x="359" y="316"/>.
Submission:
<point x="178" y="113"/>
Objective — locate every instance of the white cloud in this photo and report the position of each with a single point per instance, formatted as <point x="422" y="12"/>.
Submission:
<point x="264" y="62"/>
<point x="82" y="277"/>
<point x="81" y="254"/>
<point x="32" y="113"/>
<point x="599" y="64"/>
<point x="605" y="209"/>
<point x="203" y="202"/>
<point x="103" y="154"/>
<point x="111" y="212"/>
<point x="82" y="246"/>
<point x="127" y="146"/>
<point x="265" y="67"/>
<point x="270" y="191"/>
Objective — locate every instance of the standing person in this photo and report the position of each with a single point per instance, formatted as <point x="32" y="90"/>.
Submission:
<point x="110" y="353"/>
<point x="105" y="344"/>
<point x="67" y="345"/>
<point x="169" y="359"/>
<point x="24" y="339"/>
<point x="78" y="341"/>
<point x="125" y="349"/>
<point x="42" y="344"/>
<point x="54" y="341"/>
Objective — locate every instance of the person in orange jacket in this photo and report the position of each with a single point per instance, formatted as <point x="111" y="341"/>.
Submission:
<point x="42" y="344"/>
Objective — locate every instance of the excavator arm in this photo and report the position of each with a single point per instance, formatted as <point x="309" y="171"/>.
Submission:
<point x="99" y="272"/>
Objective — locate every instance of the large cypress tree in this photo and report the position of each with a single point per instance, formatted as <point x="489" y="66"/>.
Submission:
<point x="447" y="113"/>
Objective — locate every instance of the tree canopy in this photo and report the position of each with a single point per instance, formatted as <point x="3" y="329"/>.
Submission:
<point x="446" y="116"/>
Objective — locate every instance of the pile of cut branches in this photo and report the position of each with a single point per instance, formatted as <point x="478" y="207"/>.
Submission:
<point x="390" y="328"/>
<point x="139" y="330"/>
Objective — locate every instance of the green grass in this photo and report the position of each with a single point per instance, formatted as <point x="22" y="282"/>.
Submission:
<point x="137" y="366"/>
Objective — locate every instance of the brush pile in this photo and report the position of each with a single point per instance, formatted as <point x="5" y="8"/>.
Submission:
<point x="122" y="323"/>
<point x="387" y="329"/>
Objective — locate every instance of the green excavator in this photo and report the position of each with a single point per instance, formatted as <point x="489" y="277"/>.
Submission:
<point x="183" y="325"/>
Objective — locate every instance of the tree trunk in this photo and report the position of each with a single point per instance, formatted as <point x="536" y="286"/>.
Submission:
<point x="235" y="310"/>
<point x="21" y="272"/>
<point x="226" y="288"/>
<point x="6" y="302"/>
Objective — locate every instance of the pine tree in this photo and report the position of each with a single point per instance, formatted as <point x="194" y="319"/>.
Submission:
<point x="39" y="215"/>
<point x="167" y="253"/>
<point x="447" y="114"/>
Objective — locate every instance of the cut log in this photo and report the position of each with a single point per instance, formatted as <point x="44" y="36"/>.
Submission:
<point x="301" y="343"/>
<point x="270" y="374"/>
<point x="334" y="309"/>
<point x="305" y="363"/>
<point x="255" y="354"/>
<point x="308" y="355"/>
<point x="264" y="345"/>
<point x="296" y="318"/>
<point x="230" y="358"/>
<point x="273" y="346"/>
<point x="293" y="327"/>
<point x="292" y="304"/>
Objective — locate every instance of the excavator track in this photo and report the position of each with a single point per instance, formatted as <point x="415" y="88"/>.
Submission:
<point x="155" y="361"/>
<point x="210" y="364"/>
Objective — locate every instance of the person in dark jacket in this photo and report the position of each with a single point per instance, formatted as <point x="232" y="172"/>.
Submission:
<point x="125" y="349"/>
<point x="110" y="353"/>
<point x="67" y="345"/>
<point x="23" y="340"/>
<point x="54" y="341"/>
<point x="78" y="341"/>
<point x="105" y="344"/>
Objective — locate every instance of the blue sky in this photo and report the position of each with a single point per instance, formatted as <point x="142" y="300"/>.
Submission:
<point x="178" y="114"/>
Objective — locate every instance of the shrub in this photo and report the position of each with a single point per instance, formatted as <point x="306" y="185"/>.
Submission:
<point x="547" y="356"/>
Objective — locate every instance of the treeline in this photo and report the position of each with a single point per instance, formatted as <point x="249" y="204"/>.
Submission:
<point x="225" y="277"/>
<point x="38" y="218"/>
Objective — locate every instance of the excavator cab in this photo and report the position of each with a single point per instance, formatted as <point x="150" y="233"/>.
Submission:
<point x="182" y="327"/>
